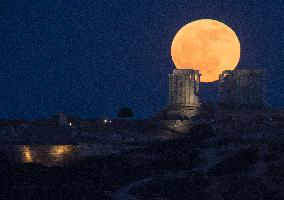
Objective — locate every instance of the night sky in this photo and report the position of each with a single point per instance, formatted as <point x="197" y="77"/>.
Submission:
<point x="89" y="58"/>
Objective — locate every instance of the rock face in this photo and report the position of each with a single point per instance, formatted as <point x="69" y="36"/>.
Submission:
<point x="237" y="120"/>
<point x="241" y="88"/>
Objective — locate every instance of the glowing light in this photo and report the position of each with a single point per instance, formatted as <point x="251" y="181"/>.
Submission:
<point x="208" y="46"/>
<point x="27" y="154"/>
<point x="60" y="150"/>
<point x="105" y="121"/>
<point x="70" y="124"/>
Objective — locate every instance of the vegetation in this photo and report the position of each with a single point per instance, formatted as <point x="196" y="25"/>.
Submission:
<point x="189" y="167"/>
<point x="125" y="113"/>
<point x="240" y="162"/>
<point x="200" y="132"/>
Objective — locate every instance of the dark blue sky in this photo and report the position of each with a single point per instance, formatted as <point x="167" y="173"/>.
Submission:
<point x="88" y="58"/>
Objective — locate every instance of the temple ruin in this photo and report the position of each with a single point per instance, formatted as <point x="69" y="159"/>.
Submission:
<point x="184" y="87"/>
<point x="241" y="88"/>
<point x="183" y="93"/>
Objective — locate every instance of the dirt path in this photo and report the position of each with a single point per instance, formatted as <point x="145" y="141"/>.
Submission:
<point x="122" y="193"/>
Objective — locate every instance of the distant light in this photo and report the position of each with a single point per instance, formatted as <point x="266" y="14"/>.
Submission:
<point x="58" y="151"/>
<point x="110" y="121"/>
<point x="27" y="154"/>
<point x="105" y="121"/>
<point x="70" y="124"/>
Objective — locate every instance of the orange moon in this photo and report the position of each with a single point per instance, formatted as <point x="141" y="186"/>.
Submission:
<point x="206" y="45"/>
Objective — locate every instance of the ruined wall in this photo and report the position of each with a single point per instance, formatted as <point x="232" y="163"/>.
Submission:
<point x="241" y="88"/>
<point x="62" y="119"/>
<point x="184" y="87"/>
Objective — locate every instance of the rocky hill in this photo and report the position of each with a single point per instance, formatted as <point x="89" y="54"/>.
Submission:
<point x="216" y="166"/>
<point x="200" y="164"/>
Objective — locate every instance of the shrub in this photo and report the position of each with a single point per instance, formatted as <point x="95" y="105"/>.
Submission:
<point x="271" y="157"/>
<point x="201" y="131"/>
<point x="245" y="187"/>
<point x="4" y="160"/>
<point x="241" y="161"/>
<point x="125" y="113"/>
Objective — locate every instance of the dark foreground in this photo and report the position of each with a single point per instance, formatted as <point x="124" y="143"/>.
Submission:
<point x="200" y="165"/>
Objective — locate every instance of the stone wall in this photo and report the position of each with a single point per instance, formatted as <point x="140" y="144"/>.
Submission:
<point x="241" y="88"/>
<point x="184" y="87"/>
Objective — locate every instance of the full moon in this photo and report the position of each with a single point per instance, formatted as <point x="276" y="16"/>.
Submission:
<point x="206" y="45"/>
